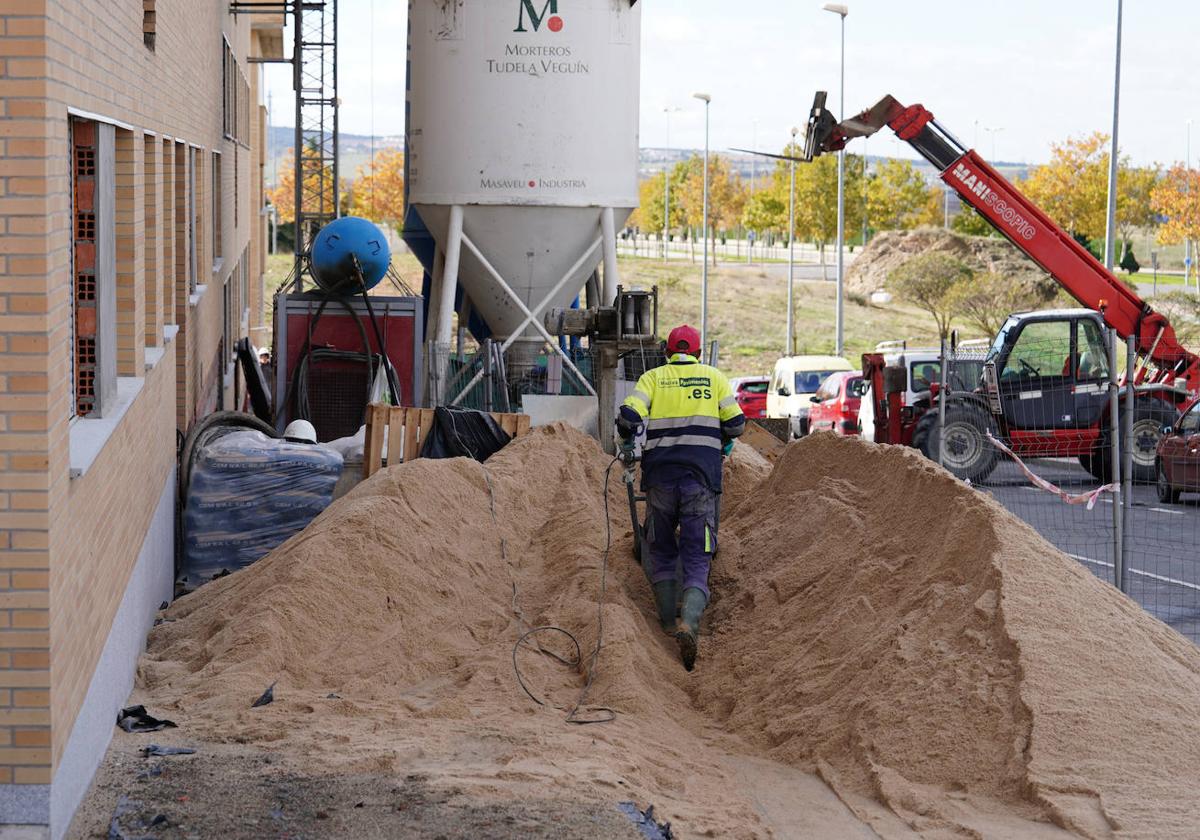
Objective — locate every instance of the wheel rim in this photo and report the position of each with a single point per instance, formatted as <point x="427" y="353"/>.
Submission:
<point x="1145" y="436"/>
<point x="963" y="446"/>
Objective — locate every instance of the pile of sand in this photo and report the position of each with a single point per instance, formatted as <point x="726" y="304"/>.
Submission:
<point x="873" y="620"/>
<point x="890" y="249"/>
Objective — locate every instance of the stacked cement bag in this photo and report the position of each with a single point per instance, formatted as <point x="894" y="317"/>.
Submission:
<point x="247" y="494"/>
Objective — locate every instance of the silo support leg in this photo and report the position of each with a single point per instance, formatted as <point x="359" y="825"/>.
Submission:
<point x="532" y="318"/>
<point x="435" y="291"/>
<point x="445" y="303"/>
<point x="608" y="229"/>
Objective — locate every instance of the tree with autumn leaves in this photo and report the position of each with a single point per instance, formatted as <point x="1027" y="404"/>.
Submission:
<point x="1073" y="189"/>
<point x="726" y="198"/>
<point x="1177" y="197"/>
<point x="378" y="190"/>
<point x="376" y="193"/>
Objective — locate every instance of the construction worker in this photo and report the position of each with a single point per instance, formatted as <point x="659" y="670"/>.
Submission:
<point x="691" y="419"/>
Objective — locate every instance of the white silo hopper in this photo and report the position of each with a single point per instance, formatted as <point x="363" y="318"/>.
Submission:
<point x="522" y="139"/>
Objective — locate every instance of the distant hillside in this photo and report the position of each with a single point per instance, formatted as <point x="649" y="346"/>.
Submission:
<point x="355" y="151"/>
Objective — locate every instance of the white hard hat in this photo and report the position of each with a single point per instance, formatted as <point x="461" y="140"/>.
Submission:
<point x="300" y="431"/>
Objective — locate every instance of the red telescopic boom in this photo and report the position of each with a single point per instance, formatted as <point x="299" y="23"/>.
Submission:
<point x="1022" y="223"/>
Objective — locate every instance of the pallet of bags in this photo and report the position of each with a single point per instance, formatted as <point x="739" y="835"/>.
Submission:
<point x="248" y="493"/>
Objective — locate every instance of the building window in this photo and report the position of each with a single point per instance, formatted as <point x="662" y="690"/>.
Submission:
<point x="245" y="294"/>
<point x="93" y="267"/>
<point x="217" y="196"/>
<point x="185" y="277"/>
<point x="236" y="98"/>
<point x="148" y="24"/>
<point x="195" y="216"/>
<point x="226" y="322"/>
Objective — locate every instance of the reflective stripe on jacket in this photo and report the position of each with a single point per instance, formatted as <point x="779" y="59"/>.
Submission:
<point x="689" y="411"/>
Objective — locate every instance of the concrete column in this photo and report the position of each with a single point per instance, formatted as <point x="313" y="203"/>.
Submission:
<point x="435" y="291"/>
<point x="606" y="387"/>
<point x="611" y="279"/>
<point x="445" y="305"/>
<point x="449" y="285"/>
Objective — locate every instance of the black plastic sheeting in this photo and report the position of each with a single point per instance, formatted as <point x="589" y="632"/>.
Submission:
<point x="647" y="825"/>
<point x="137" y="719"/>
<point x="156" y="750"/>
<point x="464" y="433"/>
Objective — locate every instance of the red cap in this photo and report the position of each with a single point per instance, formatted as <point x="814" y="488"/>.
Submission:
<point x="684" y="339"/>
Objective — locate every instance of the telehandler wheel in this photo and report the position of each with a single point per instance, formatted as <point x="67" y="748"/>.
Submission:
<point x="1149" y="416"/>
<point x="969" y="455"/>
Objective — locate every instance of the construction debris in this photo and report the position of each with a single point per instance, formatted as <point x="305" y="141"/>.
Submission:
<point x="874" y="621"/>
<point x="890" y="249"/>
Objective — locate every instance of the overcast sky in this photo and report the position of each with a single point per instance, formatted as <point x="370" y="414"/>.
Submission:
<point x="1020" y="74"/>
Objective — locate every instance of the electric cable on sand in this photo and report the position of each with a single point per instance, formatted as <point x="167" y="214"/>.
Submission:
<point x="575" y="715"/>
<point x="579" y="713"/>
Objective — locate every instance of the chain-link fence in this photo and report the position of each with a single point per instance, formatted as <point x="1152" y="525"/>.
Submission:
<point x="1086" y="461"/>
<point x="1161" y="438"/>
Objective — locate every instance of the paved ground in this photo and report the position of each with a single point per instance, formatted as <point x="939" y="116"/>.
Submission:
<point x="1163" y="568"/>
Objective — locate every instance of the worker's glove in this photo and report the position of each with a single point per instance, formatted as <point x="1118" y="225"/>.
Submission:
<point x="727" y="448"/>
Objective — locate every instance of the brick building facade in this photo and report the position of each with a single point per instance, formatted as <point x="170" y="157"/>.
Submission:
<point x="131" y="252"/>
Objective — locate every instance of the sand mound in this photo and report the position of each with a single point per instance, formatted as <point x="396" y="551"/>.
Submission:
<point x="873" y="619"/>
<point x="914" y="640"/>
<point x="888" y="250"/>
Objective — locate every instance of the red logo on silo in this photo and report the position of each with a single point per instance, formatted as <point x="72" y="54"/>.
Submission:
<point x="550" y="7"/>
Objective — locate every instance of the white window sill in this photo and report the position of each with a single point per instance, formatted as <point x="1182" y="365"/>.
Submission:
<point x="154" y="355"/>
<point x="218" y="264"/>
<point x="88" y="436"/>
<point x="194" y="297"/>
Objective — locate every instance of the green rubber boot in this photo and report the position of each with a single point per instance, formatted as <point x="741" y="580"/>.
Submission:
<point x="694" y="603"/>
<point x="666" y="598"/>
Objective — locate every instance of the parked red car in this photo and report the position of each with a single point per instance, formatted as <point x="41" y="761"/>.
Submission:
<point x="835" y="405"/>
<point x="751" y="395"/>
<point x="1178" y="459"/>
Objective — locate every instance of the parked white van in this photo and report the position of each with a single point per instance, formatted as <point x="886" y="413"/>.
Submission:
<point x="794" y="381"/>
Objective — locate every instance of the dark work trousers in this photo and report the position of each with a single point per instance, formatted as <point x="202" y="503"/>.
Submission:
<point x="690" y="507"/>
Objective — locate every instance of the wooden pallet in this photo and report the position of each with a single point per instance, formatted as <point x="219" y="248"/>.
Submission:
<point x="405" y="433"/>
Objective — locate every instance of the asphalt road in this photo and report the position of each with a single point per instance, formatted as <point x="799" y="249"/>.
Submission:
<point x="1162" y="563"/>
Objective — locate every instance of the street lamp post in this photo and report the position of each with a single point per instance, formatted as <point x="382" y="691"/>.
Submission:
<point x="791" y="338"/>
<point x="993" y="132"/>
<point x="667" y="189"/>
<point x="707" y="100"/>
<point x="1187" y="188"/>
<point x="1110" y="223"/>
<point x="754" y="160"/>
<point x="841" y="11"/>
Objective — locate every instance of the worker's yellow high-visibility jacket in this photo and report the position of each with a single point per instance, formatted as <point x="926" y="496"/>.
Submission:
<point x="689" y="412"/>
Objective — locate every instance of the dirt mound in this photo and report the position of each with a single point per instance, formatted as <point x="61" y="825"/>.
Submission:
<point x="744" y="470"/>
<point x="912" y="639"/>
<point x="873" y="620"/>
<point x="890" y="249"/>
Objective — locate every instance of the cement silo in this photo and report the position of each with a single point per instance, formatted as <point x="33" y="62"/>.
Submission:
<point x="522" y="142"/>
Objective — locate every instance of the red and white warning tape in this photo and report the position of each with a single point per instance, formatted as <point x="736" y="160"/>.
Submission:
<point x="1088" y="498"/>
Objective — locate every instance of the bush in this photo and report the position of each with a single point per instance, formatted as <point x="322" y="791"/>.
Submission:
<point x="926" y="281"/>
<point x="1129" y="261"/>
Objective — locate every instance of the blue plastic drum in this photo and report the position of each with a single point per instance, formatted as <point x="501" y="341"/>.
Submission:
<point x="337" y="243"/>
